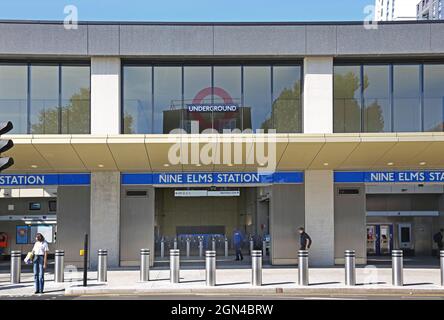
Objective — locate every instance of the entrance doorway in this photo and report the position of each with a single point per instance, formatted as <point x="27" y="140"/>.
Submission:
<point x="187" y="218"/>
<point x="379" y="239"/>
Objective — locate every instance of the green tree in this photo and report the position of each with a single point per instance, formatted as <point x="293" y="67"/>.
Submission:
<point x="347" y="111"/>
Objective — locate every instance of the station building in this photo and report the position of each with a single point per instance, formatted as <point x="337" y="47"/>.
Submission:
<point x="137" y="132"/>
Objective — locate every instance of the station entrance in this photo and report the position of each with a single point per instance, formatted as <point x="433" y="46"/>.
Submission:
<point x="403" y="217"/>
<point x="194" y="220"/>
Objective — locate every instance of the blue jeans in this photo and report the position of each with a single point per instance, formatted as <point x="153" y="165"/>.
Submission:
<point x="39" y="276"/>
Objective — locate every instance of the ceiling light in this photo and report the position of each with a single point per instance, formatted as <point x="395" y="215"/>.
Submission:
<point x="34" y="166"/>
<point x="198" y="165"/>
<point x="390" y="163"/>
<point x="325" y="163"/>
<point x="422" y="163"/>
<point x="166" y="165"/>
<point x="101" y="166"/>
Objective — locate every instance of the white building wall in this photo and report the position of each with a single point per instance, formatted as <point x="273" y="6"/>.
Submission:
<point x="318" y="95"/>
<point x="319" y="216"/>
<point x="105" y="95"/>
<point x="105" y="216"/>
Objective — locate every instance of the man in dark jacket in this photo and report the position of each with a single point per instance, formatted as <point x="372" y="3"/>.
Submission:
<point x="237" y="239"/>
<point x="305" y="240"/>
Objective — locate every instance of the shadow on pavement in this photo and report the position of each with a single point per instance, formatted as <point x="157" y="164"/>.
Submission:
<point x="370" y="283"/>
<point x="277" y="283"/>
<point x="231" y="284"/>
<point x="323" y="283"/>
<point x="418" y="284"/>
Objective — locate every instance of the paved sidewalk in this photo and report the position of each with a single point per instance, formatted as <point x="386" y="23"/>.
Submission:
<point x="276" y="281"/>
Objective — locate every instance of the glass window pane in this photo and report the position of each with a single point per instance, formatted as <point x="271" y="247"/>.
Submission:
<point x="167" y="99"/>
<point x="44" y="99"/>
<point x="137" y="91"/>
<point x="14" y="96"/>
<point x="197" y="90"/>
<point x="227" y="90"/>
<point x="347" y="99"/>
<point x="377" y="111"/>
<point x="287" y="109"/>
<point x="406" y="98"/>
<point x="76" y="100"/>
<point x="433" y="97"/>
<point x="257" y="98"/>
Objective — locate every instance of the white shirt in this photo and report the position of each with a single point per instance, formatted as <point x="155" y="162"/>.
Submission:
<point x="40" y="248"/>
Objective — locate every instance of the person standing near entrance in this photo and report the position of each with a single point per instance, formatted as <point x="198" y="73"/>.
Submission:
<point x="238" y="239"/>
<point x="438" y="237"/>
<point x="40" y="251"/>
<point x="305" y="239"/>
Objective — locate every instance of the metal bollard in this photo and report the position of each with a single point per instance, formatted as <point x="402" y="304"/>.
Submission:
<point x="174" y="265"/>
<point x="102" y="265"/>
<point x="144" y="265"/>
<point x="256" y="267"/>
<point x="213" y="244"/>
<point x="59" y="270"/>
<point x="162" y="248"/>
<point x="350" y="267"/>
<point x="200" y="247"/>
<point x="264" y="248"/>
<point x="226" y="247"/>
<point x="175" y="243"/>
<point x="16" y="266"/>
<point x="210" y="268"/>
<point x="251" y="246"/>
<point x="441" y="257"/>
<point x="303" y="267"/>
<point x="188" y="247"/>
<point x="397" y="268"/>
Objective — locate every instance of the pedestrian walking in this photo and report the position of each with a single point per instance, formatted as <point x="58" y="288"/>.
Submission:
<point x="305" y="240"/>
<point x="238" y="239"/>
<point x="40" y="259"/>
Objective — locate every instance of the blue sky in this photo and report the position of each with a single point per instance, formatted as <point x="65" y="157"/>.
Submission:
<point x="188" y="10"/>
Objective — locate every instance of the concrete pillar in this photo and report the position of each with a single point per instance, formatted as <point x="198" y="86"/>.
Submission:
<point x="319" y="216"/>
<point x="318" y="95"/>
<point x="105" y="95"/>
<point x="105" y="216"/>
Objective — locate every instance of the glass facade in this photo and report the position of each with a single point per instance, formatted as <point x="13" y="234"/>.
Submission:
<point x="389" y="97"/>
<point x="249" y="97"/>
<point x="45" y="99"/>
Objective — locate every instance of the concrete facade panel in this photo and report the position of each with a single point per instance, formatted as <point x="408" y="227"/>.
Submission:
<point x="103" y="40"/>
<point x="42" y="39"/>
<point x="167" y="40"/>
<point x="286" y="216"/>
<point x="321" y="40"/>
<point x="259" y="40"/>
<point x="386" y="39"/>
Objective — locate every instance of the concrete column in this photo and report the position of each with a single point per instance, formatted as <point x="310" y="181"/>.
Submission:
<point x="318" y="95"/>
<point x="319" y="216"/>
<point x="105" y="216"/>
<point x="105" y="95"/>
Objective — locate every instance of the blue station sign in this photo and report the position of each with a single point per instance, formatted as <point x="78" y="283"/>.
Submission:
<point x="390" y="177"/>
<point x="45" y="179"/>
<point x="212" y="178"/>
